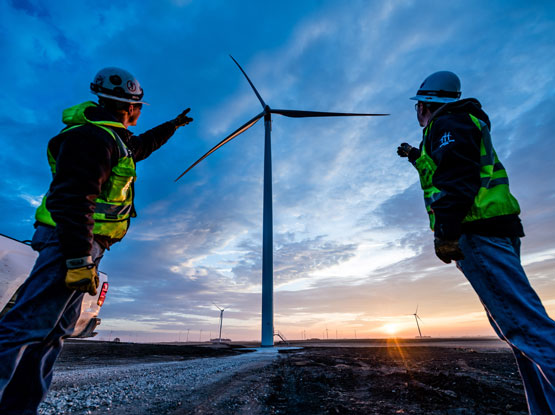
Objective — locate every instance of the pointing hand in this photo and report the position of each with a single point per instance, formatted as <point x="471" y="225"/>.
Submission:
<point x="182" y="119"/>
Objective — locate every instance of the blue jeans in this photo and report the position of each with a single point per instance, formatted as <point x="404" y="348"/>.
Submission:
<point x="492" y="266"/>
<point x="32" y="332"/>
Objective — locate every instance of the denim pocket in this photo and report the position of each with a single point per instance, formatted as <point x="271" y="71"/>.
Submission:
<point x="44" y="236"/>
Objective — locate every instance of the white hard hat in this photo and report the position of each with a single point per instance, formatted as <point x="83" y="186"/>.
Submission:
<point x="117" y="84"/>
<point x="442" y="86"/>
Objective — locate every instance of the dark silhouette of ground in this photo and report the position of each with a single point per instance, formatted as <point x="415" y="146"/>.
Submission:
<point x="380" y="380"/>
<point x="391" y="380"/>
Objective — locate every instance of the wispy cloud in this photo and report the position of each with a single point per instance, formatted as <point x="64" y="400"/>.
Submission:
<point x="352" y="245"/>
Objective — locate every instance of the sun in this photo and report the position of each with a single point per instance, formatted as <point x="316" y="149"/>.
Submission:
<point x="390" y="328"/>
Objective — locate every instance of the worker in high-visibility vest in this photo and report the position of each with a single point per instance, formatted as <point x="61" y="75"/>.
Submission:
<point x="475" y="221"/>
<point x="87" y="208"/>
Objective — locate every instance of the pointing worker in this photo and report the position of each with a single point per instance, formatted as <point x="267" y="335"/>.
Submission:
<point x="476" y="224"/>
<point x="87" y="208"/>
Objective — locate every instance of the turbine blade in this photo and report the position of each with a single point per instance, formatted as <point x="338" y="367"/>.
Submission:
<point x="418" y="317"/>
<point x="251" y="84"/>
<point x="230" y="137"/>
<point x="304" y="114"/>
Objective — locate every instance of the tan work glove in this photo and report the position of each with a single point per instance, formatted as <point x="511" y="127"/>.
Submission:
<point x="448" y="250"/>
<point x="82" y="278"/>
<point x="182" y="119"/>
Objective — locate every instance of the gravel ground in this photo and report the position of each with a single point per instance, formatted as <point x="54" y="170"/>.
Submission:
<point x="391" y="377"/>
<point x="151" y="388"/>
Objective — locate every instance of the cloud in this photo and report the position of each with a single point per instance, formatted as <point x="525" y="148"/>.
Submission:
<point x="292" y="259"/>
<point x="352" y="244"/>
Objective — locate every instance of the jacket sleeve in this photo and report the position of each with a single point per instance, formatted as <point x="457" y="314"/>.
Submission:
<point x="84" y="160"/>
<point x="143" y="145"/>
<point x="455" y="148"/>
<point x="414" y="154"/>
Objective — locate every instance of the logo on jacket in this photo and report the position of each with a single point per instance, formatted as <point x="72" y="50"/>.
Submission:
<point x="445" y="139"/>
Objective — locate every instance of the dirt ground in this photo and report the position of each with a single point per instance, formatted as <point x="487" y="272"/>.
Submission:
<point x="343" y="380"/>
<point x="390" y="380"/>
<point x="84" y="353"/>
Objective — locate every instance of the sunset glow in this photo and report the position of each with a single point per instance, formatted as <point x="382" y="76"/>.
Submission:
<point x="353" y="254"/>
<point x="390" y="328"/>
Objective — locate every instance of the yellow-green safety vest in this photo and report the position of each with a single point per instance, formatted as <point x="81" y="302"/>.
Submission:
<point x="114" y="204"/>
<point x="493" y="198"/>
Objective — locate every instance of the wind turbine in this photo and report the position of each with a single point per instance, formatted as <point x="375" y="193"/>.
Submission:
<point x="267" y="232"/>
<point x="416" y="317"/>
<point x="221" y="322"/>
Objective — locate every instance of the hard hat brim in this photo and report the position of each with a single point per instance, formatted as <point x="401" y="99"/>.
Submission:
<point x="428" y="98"/>
<point x="108" y="96"/>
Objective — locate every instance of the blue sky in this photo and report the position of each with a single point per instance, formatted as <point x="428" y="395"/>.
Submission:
<point x="351" y="246"/>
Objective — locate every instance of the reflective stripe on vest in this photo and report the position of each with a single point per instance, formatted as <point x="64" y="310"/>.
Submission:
<point x="114" y="204"/>
<point x="493" y="198"/>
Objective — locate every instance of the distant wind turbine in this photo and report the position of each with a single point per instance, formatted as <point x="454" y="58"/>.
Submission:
<point x="417" y="317"/>
<point x="267" y="232"/>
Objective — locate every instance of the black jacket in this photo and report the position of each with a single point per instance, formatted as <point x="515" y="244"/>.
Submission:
<point x="85" y="157"/>
<point x="454" y="145"/>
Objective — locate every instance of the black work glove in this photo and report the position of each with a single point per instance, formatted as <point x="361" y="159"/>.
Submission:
<point x="448" y="250"/>
<point x="404" y="149"/>
<point x="182" y="119"/>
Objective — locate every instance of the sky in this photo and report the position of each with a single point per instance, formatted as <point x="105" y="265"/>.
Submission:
<point x="353" y="254"/>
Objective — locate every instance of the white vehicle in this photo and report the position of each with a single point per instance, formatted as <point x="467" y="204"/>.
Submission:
<point x="17" y="260"/>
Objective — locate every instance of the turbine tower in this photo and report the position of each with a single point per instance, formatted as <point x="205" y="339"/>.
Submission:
<point x="416" y="317"/>
<point x="267" y="231"/>
<point x="221" y="322"/>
